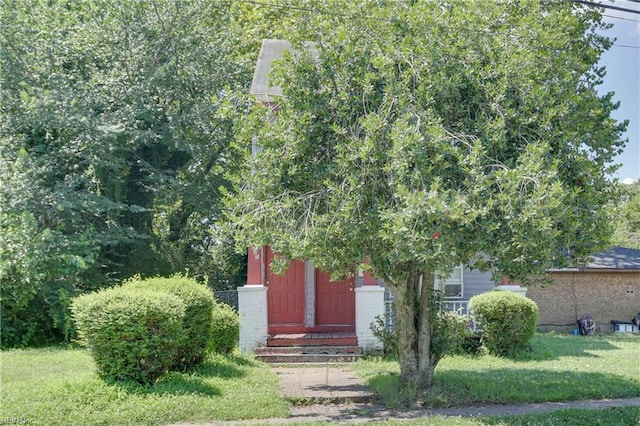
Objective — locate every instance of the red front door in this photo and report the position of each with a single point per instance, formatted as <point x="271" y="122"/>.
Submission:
<point x="335" y="304"/>
<point x="286" y="297"/>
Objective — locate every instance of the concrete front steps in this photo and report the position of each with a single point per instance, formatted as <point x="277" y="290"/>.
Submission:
<point x="310" y="347"/>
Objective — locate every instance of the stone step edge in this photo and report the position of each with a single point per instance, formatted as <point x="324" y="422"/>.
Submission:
<point x="348" y="349"/>
<point x="340" y="341"/>
<point x="306" y="358"/>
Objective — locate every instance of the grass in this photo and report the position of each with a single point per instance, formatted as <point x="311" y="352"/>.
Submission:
<point x="558" y="368"/>
<point x="622" y="416"/>
<point x="58" y="386"/>
<point x="610" y="417"/>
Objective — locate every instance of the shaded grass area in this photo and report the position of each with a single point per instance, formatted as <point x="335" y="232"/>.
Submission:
<point x="557" y="368"/>
<point x="57" y="386"/>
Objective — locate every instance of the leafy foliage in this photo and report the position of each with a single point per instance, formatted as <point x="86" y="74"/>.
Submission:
<point x="115" y="140"/>
<point x="452" y="334"/>
<point x="225" y="329"/>
<point x="389" y="338"/>
<point x="508" y="320"/>
<point x="627" y="231"/>
<point x="420" y="138"/>
<point x="133" y="334"/>
<point x="199" y="304"/>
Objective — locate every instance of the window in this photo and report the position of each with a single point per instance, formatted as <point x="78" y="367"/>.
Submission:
<point x="453" y="286"/>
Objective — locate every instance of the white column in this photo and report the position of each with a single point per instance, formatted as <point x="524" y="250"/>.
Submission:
<point x="252" y="307"/>
<point x="309" y="294"/>
<point x="369" y="304"/>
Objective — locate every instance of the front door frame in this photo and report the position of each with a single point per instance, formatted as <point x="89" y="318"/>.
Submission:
<point x="341" y="304"/>
<point x="286" y="298"/>
<point x="309" y="324"/>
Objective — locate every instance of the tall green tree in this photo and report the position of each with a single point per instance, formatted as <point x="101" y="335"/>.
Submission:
<point x="115" y="131"/>
<point x="627" y="224"/>
<point x="428" y="135"/>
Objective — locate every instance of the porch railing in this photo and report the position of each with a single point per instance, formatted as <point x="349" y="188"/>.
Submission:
<point x="459" y="306"/>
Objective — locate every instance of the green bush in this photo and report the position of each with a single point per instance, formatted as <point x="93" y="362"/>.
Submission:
<point x="225" y="330"/>
<point x="389" y="338"/>
<point x="450" y="333"/>
<point x="508" y="320"/>
<point x="199" y="303"/>
<point x="132" y="333"/>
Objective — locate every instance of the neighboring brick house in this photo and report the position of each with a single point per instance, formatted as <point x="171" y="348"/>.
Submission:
<point x="608" y="287"/>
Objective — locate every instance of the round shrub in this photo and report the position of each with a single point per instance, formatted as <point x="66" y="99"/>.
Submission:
<point x="508" y="320"/>
<point x="132" y="334"/>
<point x="199" y="302"/>
<point x="225" y="330"/>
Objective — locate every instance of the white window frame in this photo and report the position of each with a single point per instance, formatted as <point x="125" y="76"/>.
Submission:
<point x="442" y="283"/>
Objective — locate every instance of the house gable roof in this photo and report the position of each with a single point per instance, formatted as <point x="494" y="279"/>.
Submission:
<point x="270" y="51"/>
<point x="260" y="87"/>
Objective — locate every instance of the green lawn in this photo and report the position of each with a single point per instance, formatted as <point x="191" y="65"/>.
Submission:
<point x="558" y="368"/>
<point x="59" y="386"/>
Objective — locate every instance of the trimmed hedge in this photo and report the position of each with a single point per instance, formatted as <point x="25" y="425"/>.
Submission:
<point x="225" y="329"/>
<point x="132" y="334"/>
<point x="199" y="304"/>
<point x="507" y="319"/>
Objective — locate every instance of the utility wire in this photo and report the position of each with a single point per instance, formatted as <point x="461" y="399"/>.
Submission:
<point x="606" y="6"/>
<point x="621" y="18"/>
<point x="626" y="45"/>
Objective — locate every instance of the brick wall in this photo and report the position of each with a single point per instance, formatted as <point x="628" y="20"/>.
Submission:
<point x="606" y="295"/>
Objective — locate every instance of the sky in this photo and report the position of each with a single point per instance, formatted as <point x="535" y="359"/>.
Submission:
<point x="622" y="62"/>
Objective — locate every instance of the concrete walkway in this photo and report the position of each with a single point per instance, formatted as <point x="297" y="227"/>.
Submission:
<point x="330" y="383"/>
<point x="333" y="393"/>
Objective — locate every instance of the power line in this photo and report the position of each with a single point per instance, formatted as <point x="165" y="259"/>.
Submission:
<point x="621" y="18"/>
<point x="607" y="6"/>
<point x="626" y="45"/>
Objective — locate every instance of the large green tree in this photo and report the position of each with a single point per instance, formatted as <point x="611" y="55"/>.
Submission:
<point x="627" y="224"/>
<point x="425" y="135"/>
<point x="115" y="130"/>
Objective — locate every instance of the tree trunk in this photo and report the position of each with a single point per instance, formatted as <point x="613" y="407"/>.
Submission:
<point x="427" y="360"/>
<point x="414" y="305"/>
